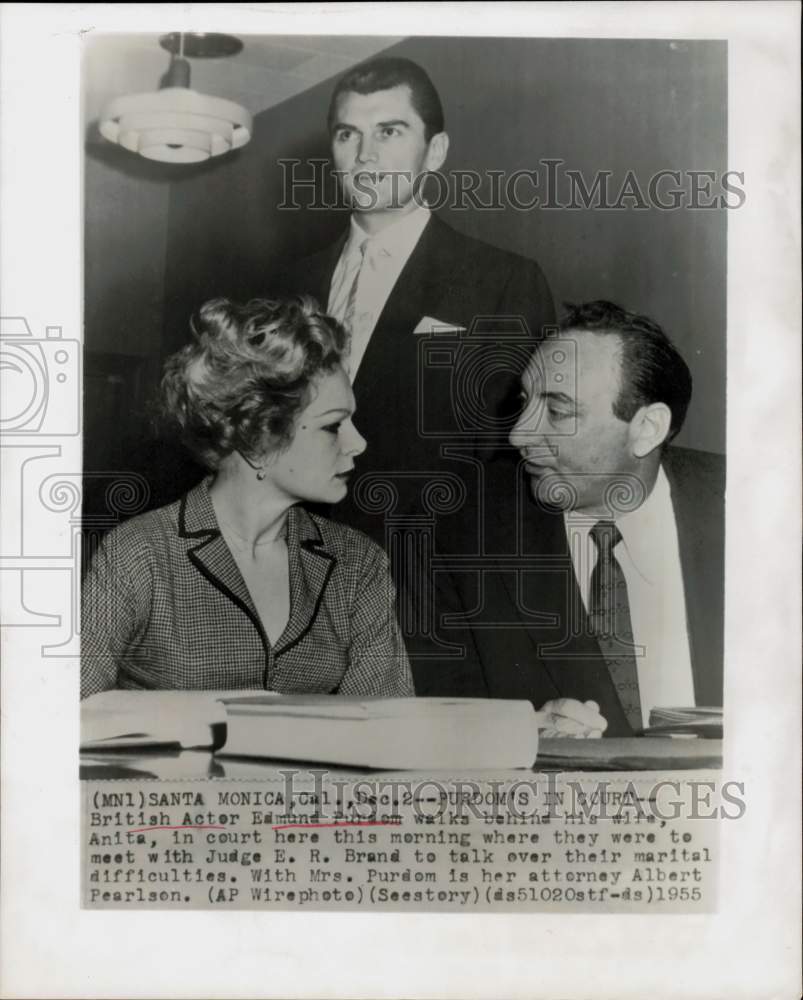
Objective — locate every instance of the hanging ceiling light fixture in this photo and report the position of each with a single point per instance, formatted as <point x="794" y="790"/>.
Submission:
<point x="176" y="124"/>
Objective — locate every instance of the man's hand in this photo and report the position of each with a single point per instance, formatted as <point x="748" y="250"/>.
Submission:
<point x="566" y="717"/>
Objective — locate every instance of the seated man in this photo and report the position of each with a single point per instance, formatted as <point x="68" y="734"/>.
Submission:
<point x="606" y="582"/>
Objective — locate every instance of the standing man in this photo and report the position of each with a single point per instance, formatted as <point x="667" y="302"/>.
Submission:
<point x="398" y="272"/>
<point x="606" y="583"/>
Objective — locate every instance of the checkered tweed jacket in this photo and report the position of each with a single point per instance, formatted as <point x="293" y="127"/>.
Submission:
<point x="165" y="606"/>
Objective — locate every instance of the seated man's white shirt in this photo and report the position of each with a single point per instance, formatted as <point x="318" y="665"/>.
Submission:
<point x="384" y="258"/>
<point x="649" y="555"/>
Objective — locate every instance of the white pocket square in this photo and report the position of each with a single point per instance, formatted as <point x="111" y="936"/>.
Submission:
<point x="427" y="324"/>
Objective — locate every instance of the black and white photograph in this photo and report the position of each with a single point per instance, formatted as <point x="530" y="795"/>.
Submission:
<point x="389" y="475"/>
<point x="454" y="233"/>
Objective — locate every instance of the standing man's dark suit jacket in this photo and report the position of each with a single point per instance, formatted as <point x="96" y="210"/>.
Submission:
<point x="540" y="648"/>
<point x="405" y="408"/>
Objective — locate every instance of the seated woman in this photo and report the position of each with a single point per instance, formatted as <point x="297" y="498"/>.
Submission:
<point x="235" y="585"/>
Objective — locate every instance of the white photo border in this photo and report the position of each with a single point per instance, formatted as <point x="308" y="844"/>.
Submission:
<point x="748" y="949"/>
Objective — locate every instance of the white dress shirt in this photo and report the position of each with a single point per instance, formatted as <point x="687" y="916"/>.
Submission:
<point x="378" y="268"/>
<point x="650" y="559"/>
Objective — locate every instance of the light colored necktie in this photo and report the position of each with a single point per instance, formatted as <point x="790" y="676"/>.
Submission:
<point x="609" y="617"/>
<point x="351" y="299"/>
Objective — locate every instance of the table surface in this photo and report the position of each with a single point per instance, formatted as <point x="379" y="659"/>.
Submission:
<point x="633" y="754"/>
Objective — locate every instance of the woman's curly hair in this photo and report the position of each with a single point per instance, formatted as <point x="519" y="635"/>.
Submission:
<point x="247" y="374"/>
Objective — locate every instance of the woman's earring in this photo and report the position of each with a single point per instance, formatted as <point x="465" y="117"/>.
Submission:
<point x="260" y="474"/>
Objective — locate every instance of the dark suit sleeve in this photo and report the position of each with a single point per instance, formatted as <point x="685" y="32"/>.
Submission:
<point x="446" y="662"/>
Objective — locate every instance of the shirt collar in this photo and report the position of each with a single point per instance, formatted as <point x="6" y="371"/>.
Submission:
<point x="397" y="240"/>
<point x="636" y="520"/>
<point x="643" y="529"/>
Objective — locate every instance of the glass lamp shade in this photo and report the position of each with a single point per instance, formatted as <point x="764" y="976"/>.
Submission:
<point x="176" y="125"/>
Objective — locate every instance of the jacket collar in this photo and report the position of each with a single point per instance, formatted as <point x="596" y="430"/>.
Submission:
<point x="197" y="519"/>
<point x="310" y="562"/>
<point x="433" y="266"/>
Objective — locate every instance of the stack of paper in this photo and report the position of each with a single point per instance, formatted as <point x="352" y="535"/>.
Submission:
<point x="694" y="721"/>
<point x="118" y="720"/>
<point x="395" y="733"/>
<point x="390" y="733"/>
<point x="628" y="754"/>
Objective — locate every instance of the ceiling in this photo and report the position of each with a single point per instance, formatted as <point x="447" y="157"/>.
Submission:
<point x="268" y="70"/>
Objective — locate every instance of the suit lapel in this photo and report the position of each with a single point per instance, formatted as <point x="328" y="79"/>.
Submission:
<point x="430" y="270"/>
<point x="554" y="589"/>
<point x="420" y="287"/>
<point x="311" y="567"/>
<point x="211" y="555"/>
<point x="392" y="354"/>
<point x="565" y="658"/>
<point x="575" y="665"/>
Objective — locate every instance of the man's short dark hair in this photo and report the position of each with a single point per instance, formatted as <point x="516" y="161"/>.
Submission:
<point x="385" y="73"/>
<point x="652" y="369"/>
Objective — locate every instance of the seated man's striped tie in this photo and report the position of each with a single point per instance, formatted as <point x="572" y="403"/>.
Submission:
<point x="609" y="617"/>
